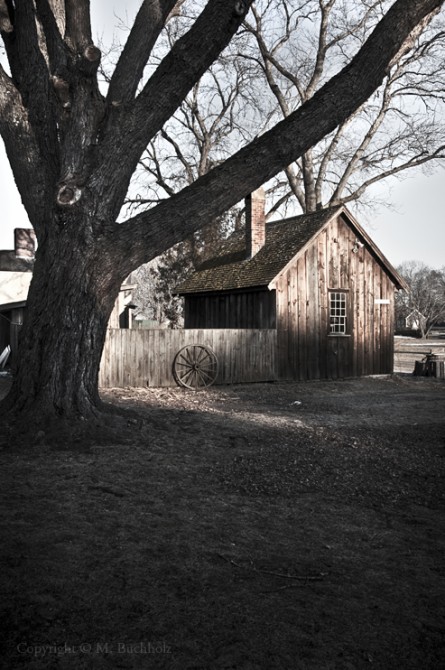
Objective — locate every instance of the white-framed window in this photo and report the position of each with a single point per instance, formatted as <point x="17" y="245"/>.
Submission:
<point x="338" y="307"/>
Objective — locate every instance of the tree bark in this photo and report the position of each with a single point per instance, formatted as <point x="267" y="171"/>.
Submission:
<point x="72" y="294"/>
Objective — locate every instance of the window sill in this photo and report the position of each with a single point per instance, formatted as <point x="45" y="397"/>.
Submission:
<point x="339" y="335"/>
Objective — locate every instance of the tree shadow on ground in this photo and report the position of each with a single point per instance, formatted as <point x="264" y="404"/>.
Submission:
<point x="236" y="530"/>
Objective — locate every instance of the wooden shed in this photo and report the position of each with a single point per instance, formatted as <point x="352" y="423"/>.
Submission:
<point x="318" y="279"/>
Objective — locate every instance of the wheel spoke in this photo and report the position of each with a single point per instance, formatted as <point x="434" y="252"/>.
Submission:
<point x="188" y="375"/>
<point x="200" y="377"/>
<point x="187" y="360"/>
<point x="204" y="372"/>
<point x="201" y="355"/>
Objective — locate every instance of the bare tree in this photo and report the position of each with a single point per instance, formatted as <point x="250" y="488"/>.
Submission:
<point x="400" y="127"/>
<point x="73" y="152"/>
<point x="426" y="295"/>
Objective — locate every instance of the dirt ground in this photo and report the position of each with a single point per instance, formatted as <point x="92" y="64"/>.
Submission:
<point x="277" y="526"/>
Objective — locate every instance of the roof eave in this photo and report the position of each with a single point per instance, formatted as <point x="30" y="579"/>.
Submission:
<point x="398" y="280"/>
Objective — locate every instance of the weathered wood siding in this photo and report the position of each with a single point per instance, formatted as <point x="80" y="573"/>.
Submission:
<point x="145" y="357"/>
<point x="237" y="309"/>
<point x="306" y="350"/>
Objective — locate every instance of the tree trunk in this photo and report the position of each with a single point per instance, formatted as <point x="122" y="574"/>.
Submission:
<point x="71" y="297"/>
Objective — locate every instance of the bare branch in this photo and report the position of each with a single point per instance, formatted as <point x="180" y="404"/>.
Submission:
<point x="55" y="46"/>
<point x="413" y="162"/>
<point x="266" y="156"/>
<point x="181" y="157"/>
<point x="270" y="59"/>
<point x="31" y="77"/>
<point x="183" y="66"/>
<point x="30" y="169"/>
<point x="145" y="31"/>
<point x="322" y="49"/>
<point x="78" y="25"/>
<point x="359" y="152"/>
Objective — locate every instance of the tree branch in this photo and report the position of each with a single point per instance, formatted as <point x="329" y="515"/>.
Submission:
<point x="78" y="25"/>
<point x="187" y="61"/>
<point x="23" y="151"/>
<point x="145" y="31"/>
<point x="31" y="78"/>
<point x="323" y="168"/>
<point x="78" y="35"/>
<point x="359" y="152"/>
<point x="416" y="161"/>
<point x="322" y="49"/>
<point x="57" y="51"/>
<point x="180" y="155"/>
<point x="266" y="156"/>
<point x="269" y="59"/>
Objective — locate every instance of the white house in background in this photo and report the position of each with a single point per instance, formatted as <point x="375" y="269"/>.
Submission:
<point x="415" y="320"/>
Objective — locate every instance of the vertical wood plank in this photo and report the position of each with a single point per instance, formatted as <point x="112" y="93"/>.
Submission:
<point x="323" y="302"/>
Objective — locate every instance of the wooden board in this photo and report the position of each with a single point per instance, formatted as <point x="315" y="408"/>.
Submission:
<point x="137" y="357"/>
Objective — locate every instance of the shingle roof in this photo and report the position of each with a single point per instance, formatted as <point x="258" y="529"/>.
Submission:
<point x="229" y="270"/>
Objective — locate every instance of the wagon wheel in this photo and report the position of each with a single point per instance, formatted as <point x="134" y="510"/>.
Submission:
<point x="195" y="366"/>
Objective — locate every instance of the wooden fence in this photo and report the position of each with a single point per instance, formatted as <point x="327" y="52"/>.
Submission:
<point x="134" y="357"/>
<point x="407" y="351"/>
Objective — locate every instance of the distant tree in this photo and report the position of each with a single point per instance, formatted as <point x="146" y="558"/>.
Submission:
<point x="426" y="294"/>
<point x="157" y="280"/>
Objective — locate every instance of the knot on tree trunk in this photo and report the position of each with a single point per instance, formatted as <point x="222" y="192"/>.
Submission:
<point x="5" y="25"/>
<point x="90" y="59"/>
<point x="5" y="20"/>
<point x="62" y="89"/>
<point x="68" y="195"/>
<point x="240" y="8"/>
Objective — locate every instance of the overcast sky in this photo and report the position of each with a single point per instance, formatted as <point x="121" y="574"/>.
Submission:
<point x="413" y="228"/>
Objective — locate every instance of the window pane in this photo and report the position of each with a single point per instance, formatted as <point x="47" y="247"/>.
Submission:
<point x="337" y="312"/>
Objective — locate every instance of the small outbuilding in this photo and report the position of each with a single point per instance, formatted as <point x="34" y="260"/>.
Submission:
<point x="318" y="279"/>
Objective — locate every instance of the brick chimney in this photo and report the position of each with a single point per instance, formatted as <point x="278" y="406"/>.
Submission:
<point x="255" y="222"/>
<point x="24" y="242"/>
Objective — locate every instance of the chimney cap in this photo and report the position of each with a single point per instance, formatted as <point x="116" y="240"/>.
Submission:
<point x="24" y="242"/>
